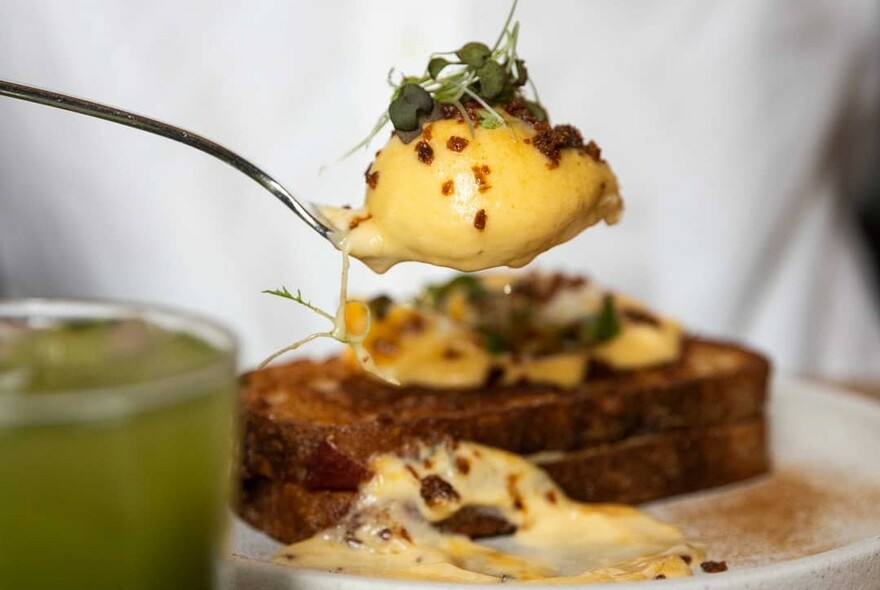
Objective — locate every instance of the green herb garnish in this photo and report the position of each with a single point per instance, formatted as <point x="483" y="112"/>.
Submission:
<point x="380" y="306"/>
<point x="603" y="326"/>
<point x="436" y="295"/>
<point x="495" y="342"/>
<point x="339" y="330"/>
<point x="298" y="298"/>
<point x="488" y="121"/>
<point x="413" y="103"/>
<point x="488" y="76"/>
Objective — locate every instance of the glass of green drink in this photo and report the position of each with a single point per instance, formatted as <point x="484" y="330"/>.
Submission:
<point x="116" y="439"/>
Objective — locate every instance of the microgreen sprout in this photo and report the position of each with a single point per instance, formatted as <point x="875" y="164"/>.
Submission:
<point x="473" y="73"/>
<point x="298" y="298"/>
<point x="339" y="331"/>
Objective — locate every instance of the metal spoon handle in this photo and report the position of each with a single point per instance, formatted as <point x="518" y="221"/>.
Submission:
<point x="108" y="113"/>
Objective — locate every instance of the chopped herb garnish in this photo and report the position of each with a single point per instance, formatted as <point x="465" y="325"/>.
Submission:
<point x="495" y="342"/>
<point x="379" y="306"/>
<point x="603" y="326"/>
<point x="436" y="295"/>
<point x="489" y="76"/>
<point x="510" y="320"/>
<point x="487" y="121"/>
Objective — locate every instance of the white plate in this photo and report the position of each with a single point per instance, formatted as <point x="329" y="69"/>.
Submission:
<point x="814" y="523"/>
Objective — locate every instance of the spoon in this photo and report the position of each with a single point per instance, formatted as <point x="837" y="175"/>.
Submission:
<point x="115" y="115"/>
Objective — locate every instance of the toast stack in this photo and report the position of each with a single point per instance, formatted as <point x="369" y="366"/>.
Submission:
<point x="309" y="429"/>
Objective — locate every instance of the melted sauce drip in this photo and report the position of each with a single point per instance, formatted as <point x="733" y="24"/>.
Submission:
<point x="389" y="530"/>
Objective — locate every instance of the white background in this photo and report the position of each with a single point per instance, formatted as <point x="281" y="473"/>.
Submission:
<point x="733" y="127"/>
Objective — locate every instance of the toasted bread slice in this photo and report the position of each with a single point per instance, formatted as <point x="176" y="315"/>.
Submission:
<point x="637" y="469"/>
<point x="291" y="409"/>
<point x="310" y="428"/>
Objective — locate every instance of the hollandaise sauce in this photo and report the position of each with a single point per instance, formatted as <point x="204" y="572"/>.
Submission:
<point x="390" y="530"/>
<point x="476" y="199"/>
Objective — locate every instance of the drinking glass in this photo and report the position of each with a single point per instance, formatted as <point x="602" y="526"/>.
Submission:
<point x="116" y="435"/>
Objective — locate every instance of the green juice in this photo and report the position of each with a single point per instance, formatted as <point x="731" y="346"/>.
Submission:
<point x="128" y="489"/>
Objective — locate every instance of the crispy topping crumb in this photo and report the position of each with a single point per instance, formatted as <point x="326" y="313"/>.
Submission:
<point x="352" y="540"/>
<point x="451" y="354"/>
<point x="551" y="140"/>
<point x="358" y="220"/>
<point x="714" y="567"/>
<point x="513" y="490"/>
<point x="425" y="152"/>
<point x="457" y="144"/>
<point x="593" y="151"/>
<point x="462" y="465"/>
<point x="551" y="496"/>
<point x="427" y="131"/>
<point x="372" y="178"/>
<point x="447" y="188"/>
<point x="519" y="109"/>
<point x="481" y="174"/>
<point x="412" y="472"/>
<point x="640" y="316"/>
<point x="471" y="107"/>
<point x="436" y="490"/>
<point x="686" y="558"/>
<point x="543" y="288"/>
<point x="449" y="111"/>
<point x="480" y="220"/>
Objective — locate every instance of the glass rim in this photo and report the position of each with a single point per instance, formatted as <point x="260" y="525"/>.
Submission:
<point x="118" y="401"/>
